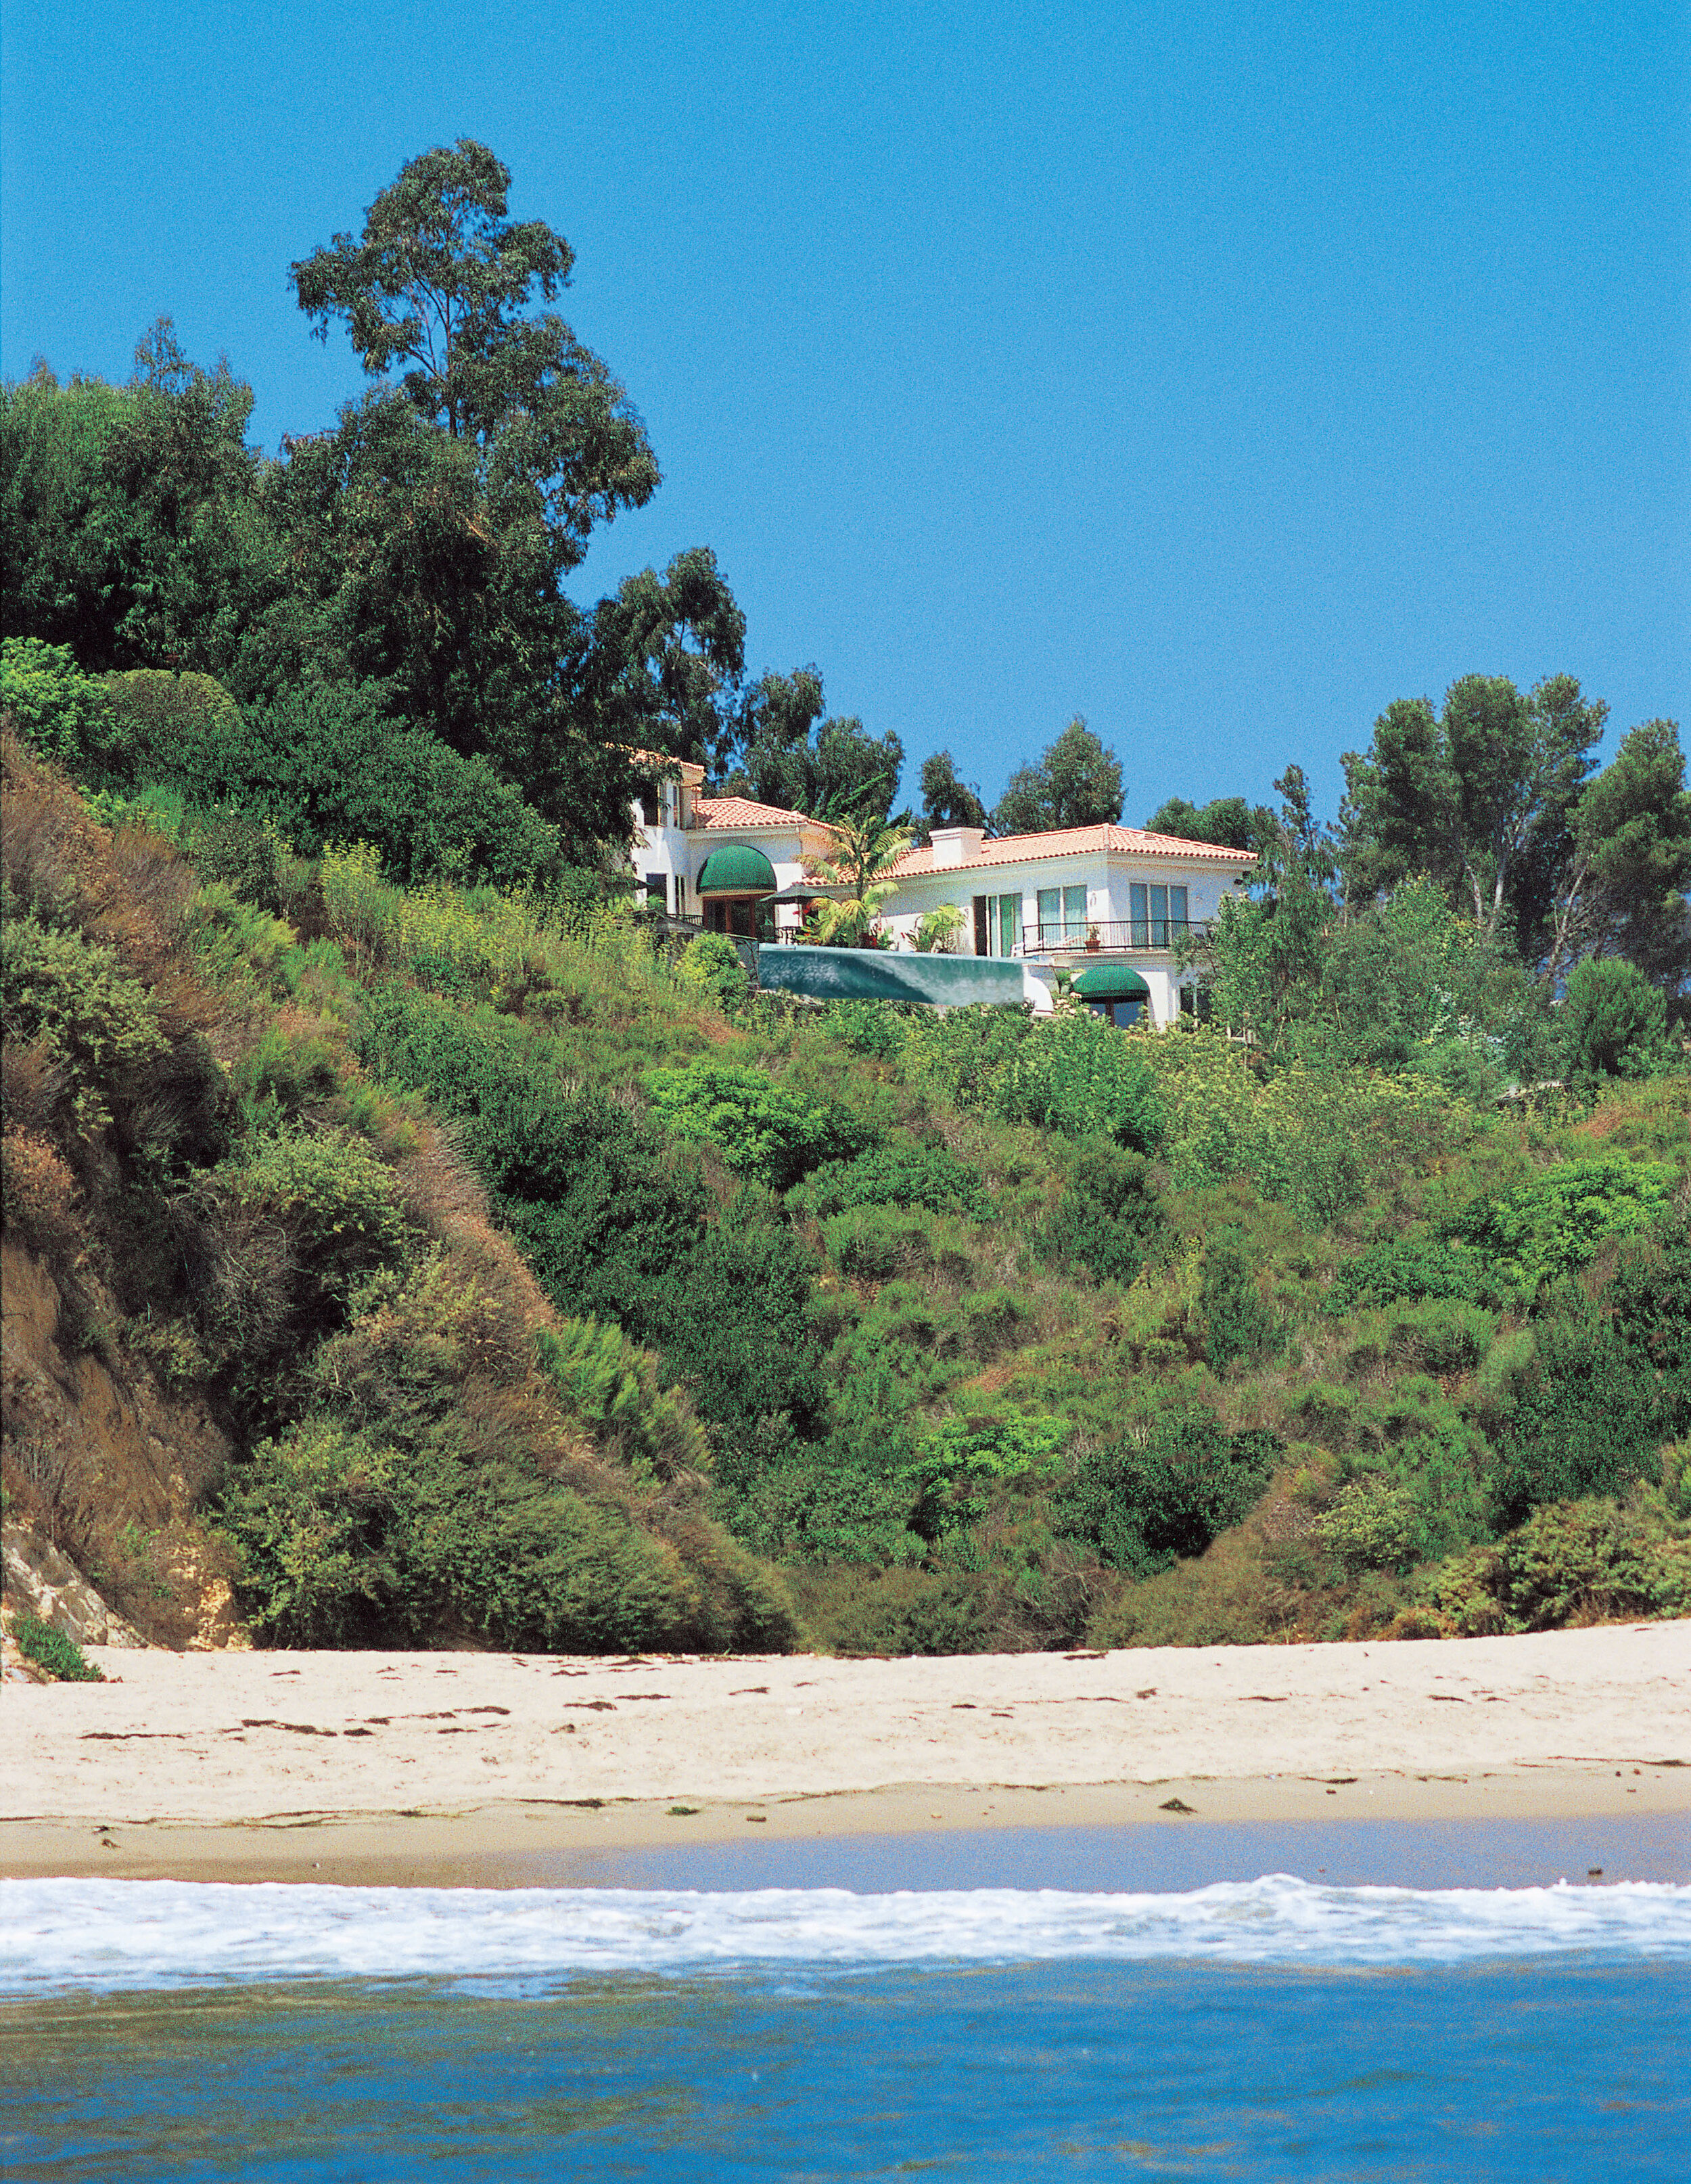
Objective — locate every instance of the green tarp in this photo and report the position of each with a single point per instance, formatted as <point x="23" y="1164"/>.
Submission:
<point x="876" y="974"/>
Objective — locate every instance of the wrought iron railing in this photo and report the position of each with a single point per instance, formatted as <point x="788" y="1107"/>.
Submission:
<point x="1114" y="935"/>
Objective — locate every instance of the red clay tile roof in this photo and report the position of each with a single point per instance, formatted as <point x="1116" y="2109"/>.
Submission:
<point x="740" y="811"/>
<point x="1074" y="841"/>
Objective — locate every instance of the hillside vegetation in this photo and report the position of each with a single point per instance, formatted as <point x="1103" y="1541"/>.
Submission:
<point x="325" y="1377"/>
<point x="536" y="1285"/>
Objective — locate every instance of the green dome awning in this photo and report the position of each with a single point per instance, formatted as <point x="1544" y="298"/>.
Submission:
<point x="736" y="868"/>
<point x="1111" y="981"/>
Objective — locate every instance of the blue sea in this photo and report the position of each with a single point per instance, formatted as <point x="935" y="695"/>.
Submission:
<point x="784" y="2011"/>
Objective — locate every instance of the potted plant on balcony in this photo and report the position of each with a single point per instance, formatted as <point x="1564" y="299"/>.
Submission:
<point x="1094" y="943"/>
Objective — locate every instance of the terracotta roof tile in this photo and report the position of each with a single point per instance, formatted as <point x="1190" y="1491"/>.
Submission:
<point x="740" y="811"/>
<point x="1074" y="841"/>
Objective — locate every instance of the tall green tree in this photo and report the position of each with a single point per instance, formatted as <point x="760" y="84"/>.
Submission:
<point x="442" y="515"/>
<point x="1625" y="888"/>
<point x="1480" y="797"/>
<point x="1228" y="821"/>
<point x="785" y="752"/>
<point x="133" y="523"/>
<point x="1076" y="782"/>
<point x="949" y="800"/>
<point x="662" y="659"/>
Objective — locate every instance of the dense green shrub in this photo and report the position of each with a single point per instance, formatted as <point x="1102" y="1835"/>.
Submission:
<point x="763" y="1131"/>
<point x="1614" y="1021"/>
<point x="1140" y="1503"/>
<point x="1237" y="1321"/>
<point x="1440" y="1335"/>
<point x="96" y="1023"/>
<point x="63" y="714"/>
<point x="331" y="1194"/>
<point x="896" y="1174"/>
<point x="872" y="1028"/>
<point x="895" y="1613"/>
<point x="820" y="1512"/>
<point x="1589" y="1561"/>
<point x="50" y="1649"/>
<point x="1401" y="1267"/>
<point x="244" y="853"/>
<point x="710" y="967"/>
<point x="344" y="1541"/>
<point x="875" y="1243"/>
<point x="1555" y="1224"/>
<point x="611" y="1385"/>
<point x="1108" y="1219"/>
<point x="956" y="1466"/>
<point x="1078" y="1075"/>
<point x="733" y="1325"/>
<point x="326" y="762"/>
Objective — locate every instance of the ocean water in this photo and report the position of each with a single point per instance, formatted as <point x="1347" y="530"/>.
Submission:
<point x="1274" y="2027"/>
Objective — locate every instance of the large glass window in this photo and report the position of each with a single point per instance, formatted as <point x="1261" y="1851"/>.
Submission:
<point x="1141" y="922"/>
<point x="1176" y="913"/>
<point x="1050" y="917"/>
<point x="1009" y="923"/>
<point x="1073" y="912"/>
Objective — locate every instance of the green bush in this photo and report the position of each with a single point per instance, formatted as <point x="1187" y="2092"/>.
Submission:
<point x="1077" y="1075"/>
<point x="344" y="1541"/>
<point x="243" y="853"/>
<point x="333" y="1195"/>
<point x="612" y="1385"/>
<point x="1400" y="1266"/>
<point x="905" y="1175"/>
<point x="50" y="1649"/>
<point x="896" y="1613"/>
<point x="1614" y="1021"/>
<point x="1595" y="1560"/>
<point x="1138" y="1505"/>
<point x="1556" y="1223"/>
<point x="1586" y="1417"/>
<point x="1373" y="1523"/>
<point x="63" y="715"/>
<point x="1440" y="1335"/>
<point x="956" y="1466"/>
<point x="326" y="762"/>
<point x="1236" y="1322"/>
<point x="763" y="1131"/>
<point x="872" y="1028"/>
<point x="710" y="966"/>
<point x="822" y="1511"/>
<point x="874" y="1243"/>
<point x="1108" y="1219"/>
<point x="95" y="1025"/>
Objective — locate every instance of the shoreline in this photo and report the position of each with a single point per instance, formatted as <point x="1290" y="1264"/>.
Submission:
<point x="422" y="1767"/>
<point x="520" y="1843"/>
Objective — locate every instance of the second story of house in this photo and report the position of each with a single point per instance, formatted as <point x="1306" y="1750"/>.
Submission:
<point x="1073" y="891"/>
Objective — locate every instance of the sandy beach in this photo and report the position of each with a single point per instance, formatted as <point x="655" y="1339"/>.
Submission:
<point x="244" y="1764"/>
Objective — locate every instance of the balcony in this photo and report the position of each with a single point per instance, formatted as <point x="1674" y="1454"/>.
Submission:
<point x="1138" y="936"/>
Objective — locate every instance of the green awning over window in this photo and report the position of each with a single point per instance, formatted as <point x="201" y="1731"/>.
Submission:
<point x="736" y="868"/>
<point x="1111" y="981"/>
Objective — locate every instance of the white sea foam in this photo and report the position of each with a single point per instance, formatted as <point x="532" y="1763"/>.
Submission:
<point x="110" y="1934"/>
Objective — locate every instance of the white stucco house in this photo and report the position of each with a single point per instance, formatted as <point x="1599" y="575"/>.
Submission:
<point x="1100" y="910"/>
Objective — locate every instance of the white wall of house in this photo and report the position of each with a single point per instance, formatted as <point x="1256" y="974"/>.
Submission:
<point x="1042" y="905"/>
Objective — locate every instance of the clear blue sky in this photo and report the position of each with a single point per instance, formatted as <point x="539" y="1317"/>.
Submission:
<point x="1221" y="372"/>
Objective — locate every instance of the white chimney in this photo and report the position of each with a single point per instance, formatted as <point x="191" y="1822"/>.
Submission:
<point x="955" y="846"/>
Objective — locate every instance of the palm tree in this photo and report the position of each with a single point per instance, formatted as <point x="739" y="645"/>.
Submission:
<point x="866" y="848"/>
